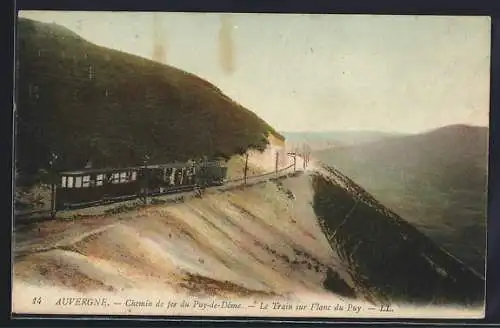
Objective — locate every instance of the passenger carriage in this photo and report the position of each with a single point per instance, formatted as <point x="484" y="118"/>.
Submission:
<point x="85" y="187"/>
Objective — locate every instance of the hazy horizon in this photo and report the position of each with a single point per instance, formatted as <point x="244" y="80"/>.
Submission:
<point x="383" y="131"/>
<point x="303" y="73"/>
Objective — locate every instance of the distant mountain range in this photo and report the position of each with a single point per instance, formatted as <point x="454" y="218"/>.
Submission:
<point x="329" y="139"/>
<point x="436" y="180"/>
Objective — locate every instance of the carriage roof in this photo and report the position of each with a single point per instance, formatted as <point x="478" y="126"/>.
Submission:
<point x="136" y="168"/>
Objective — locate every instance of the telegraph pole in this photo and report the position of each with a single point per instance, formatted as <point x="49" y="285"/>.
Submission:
<point x="53" y="177"/>
<point x="294" y="161"/>
<point x="246" y="168"/>
<point x="145" y="183"/>
<point x="277" y="157"/>
<point x="294" y="154"/>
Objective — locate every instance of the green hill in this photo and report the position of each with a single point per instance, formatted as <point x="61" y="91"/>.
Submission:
<point x="86" y="102"/>
<point x="435" y="180"/>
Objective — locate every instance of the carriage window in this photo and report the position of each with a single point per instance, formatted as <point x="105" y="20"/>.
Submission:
<point x="63" y="182"/>
<point x="134" y="176"/>
<point x="86" y="181"/>
<point x="100" y="178"/>
<point x="78" y="182"/>
<point x="115" y="178"/>
<point x="123" y="177"/>
<point x="91" y="71"/>
<point x="70" y="182"/>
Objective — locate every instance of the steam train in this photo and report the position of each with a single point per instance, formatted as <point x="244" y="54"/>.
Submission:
<point x="83" y="187"/>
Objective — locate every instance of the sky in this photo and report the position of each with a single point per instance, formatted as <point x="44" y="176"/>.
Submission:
<point x="316" y="72"/>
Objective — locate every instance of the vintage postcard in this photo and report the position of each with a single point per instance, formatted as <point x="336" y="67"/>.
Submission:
<point x="263" y="165"/>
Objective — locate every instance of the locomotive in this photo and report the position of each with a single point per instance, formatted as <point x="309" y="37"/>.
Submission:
<point x="95" y="186"/>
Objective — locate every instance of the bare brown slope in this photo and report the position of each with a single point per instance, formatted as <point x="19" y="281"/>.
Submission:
<point x="255" y="241"/>
<point x="313" y="235"/>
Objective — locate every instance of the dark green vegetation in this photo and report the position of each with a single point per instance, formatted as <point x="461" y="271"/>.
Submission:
<point x="387" y="257"/>
<point x="437" y="181"/>
<point x="85" y="102"/>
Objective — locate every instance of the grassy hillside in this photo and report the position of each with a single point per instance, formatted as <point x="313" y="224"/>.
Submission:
<point x="86" y="102"/>
<point x="436" y="180"/>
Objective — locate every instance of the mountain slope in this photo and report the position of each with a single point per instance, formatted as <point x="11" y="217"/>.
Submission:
<point x="86" y="102"/>
<point x="241" y="242"/>
<point x="293" y="239"/>
<point x="436" y="180"/>
<point x="391" y="258"/>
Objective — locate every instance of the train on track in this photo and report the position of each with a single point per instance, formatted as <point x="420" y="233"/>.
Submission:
<point x="95" y="186"/>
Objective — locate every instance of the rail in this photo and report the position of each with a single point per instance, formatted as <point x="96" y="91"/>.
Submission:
<point x="259" y="175"/>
